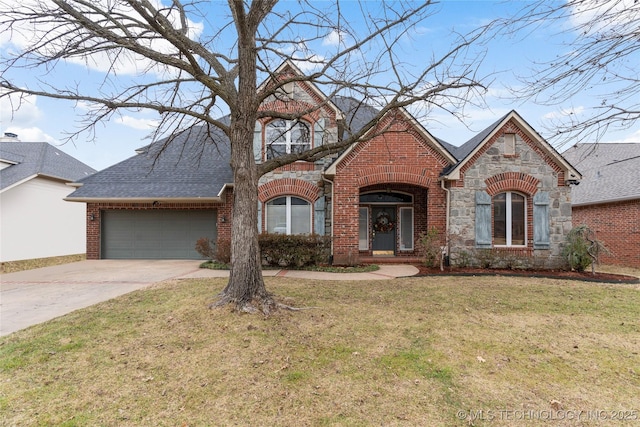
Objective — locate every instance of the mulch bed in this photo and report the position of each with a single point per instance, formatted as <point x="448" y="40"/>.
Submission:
<point x="552" y="274"/>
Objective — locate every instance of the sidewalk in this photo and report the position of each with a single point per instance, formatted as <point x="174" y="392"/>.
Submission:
<point x="386" y="272"/>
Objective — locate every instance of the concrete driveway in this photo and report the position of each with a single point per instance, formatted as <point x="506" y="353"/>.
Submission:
<point x="35" y="296"/>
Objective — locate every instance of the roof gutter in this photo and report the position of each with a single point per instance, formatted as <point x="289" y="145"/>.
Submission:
<point x="605" y="202"/>
<point x="144" y="199"/>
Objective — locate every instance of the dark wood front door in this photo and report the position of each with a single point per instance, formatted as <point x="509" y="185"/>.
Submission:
<point x="383" y="221"/>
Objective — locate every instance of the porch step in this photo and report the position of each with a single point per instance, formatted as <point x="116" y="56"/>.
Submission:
<point x="390" y="260"/>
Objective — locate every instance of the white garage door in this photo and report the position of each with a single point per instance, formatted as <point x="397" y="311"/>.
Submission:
<point x="155" y="234"/>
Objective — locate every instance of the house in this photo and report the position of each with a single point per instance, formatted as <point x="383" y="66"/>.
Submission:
<point x="505" y="192"/>
<point x="35" y="221"/>
<point x="608" y="197"/>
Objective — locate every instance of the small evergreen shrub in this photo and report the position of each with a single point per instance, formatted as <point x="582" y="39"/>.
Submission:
<point x="486" y="258"/>
<point x="582" y="248"/>
<point x="281" y="250"/>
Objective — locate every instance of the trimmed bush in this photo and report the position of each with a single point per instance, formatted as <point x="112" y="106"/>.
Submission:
<point x="281" y="250"/>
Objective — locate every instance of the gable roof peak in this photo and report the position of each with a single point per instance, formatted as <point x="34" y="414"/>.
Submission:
<point x="475" y="144"/>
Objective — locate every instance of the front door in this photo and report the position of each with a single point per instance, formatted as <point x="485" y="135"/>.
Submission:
<point x="384" y="224"/>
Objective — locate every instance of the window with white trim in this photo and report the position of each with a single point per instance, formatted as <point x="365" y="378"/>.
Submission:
<point x="288" y="215"/>
<point x="509" y="219"/>
<point x="363" y="228"/>
<point x="406" y="229"/>
<point x="286" y="137"/>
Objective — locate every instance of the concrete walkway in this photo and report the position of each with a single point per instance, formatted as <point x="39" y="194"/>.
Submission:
<point x="35" y="296"/>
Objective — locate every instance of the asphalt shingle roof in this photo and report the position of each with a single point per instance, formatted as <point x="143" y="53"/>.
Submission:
<point x="38" y="158"/>
<point x="610" y="172"/>
<point x="194" y="164"/>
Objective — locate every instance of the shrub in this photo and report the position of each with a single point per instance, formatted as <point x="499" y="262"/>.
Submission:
<point x="463" y="259"/>
<point x="281" y="250"/>
<point x="206" y="248"/>
<point x="220" y="252"/>
<point x="486" y="258"/>
<point x="431" y="244"/>
<point x="582" y="248"/>
<point x="223" y="251"/>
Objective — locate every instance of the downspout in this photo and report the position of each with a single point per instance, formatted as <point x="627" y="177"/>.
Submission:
<point x="446" y="225"/>
<point x="332" y="210"/>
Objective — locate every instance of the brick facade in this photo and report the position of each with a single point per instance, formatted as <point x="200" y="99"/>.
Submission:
<point x="399" y="160"/>
<point x="617" y="225"/>
<point x="94" y="217"/>
<point x="396" y="157"/>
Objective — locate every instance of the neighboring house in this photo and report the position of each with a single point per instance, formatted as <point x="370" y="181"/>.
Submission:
<point x="608" y="198"/>
<point x="505" y="192"/>
<point x="35" y="221"/>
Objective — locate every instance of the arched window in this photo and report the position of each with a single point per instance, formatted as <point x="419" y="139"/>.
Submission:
<point x="509" y="219"/>
<point x="287" y="136"/>
<point x="289" y="215"/>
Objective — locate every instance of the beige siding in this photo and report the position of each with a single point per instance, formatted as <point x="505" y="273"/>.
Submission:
<point x="35" y="221"/>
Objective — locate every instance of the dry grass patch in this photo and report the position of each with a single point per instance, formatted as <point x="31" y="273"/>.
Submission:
<point x="30" y="264"/>
<point x="403" y="352"/>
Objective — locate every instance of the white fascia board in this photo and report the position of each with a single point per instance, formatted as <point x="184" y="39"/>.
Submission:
<point x="22" y="181"/>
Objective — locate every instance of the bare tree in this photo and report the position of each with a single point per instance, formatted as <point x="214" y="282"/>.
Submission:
<point x="196" y="60"/>
<point x="600" y="57"/>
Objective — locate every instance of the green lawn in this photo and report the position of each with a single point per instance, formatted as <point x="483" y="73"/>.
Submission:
<point x="440" y="351"/>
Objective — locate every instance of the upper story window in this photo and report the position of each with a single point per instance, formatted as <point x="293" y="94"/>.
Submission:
<point x="509" y="219"/>
<point x="286" y="137"/>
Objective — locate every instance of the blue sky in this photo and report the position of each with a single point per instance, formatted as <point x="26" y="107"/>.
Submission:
<point x="42" y="119"/>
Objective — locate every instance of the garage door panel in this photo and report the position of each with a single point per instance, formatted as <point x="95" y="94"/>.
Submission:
<point x="160" y="234"/>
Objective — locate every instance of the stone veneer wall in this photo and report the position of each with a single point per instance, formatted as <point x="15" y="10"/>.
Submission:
<point x="491" y="161"/>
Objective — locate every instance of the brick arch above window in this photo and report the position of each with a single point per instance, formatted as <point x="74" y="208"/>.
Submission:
<point x="288" y="187"/>
<point x="512" y="181"/>
<point x="395" y="174"/>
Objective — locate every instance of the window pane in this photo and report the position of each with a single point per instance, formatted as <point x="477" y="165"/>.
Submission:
<point x="406" y="228"/>
<point x="286" y="136"/>
<point x="500" y="219"/>
<point x="277" y="216"/>
<point x="363" y="229"/>
<point x="276" y="150"/>
<point x="300" y="134"/>
<point x="517" y="219"/>
<point x="300" y="216"/>
<point x="276" y="138"/>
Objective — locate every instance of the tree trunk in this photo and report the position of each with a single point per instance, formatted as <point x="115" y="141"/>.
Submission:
<point x="246" y="287"/>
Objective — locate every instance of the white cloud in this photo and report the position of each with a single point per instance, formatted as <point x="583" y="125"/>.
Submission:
<point x="31" y="134"/>
<point x="334" y="38"/>
<point x="19" y="110"/>
<point x="137" y="123"/>
<point x="633" y="137"/>
<point x="564" y="112"/>
<point x="592" y="16"/>
<point x="51" y="36"/>
<point x="309" y="64"/>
